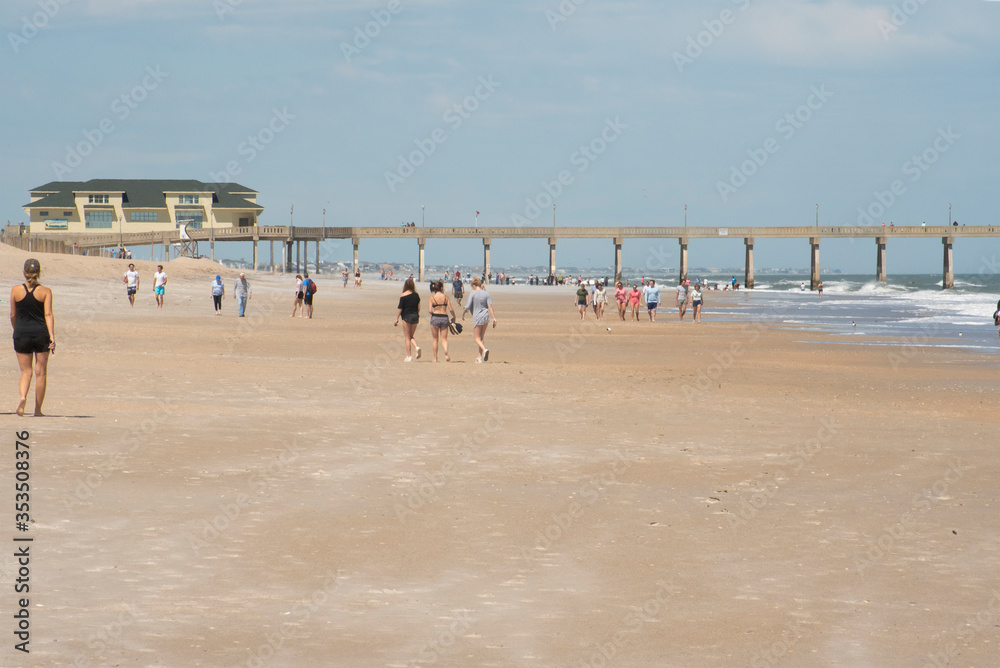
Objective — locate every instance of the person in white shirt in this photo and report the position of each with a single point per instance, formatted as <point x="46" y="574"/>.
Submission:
<point x="159" y="284"/>
<point x="131" y="281"/>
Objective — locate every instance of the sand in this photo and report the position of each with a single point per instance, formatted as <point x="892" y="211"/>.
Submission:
<point x="269" y="491"/>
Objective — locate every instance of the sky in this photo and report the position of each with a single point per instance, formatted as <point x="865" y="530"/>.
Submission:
<point x="745" y="112"/>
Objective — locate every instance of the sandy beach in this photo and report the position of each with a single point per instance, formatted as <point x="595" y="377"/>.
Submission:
<point x="270" y="491"/>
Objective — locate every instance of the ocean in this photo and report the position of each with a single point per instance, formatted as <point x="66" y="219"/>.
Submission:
<point x="909" y="310"/>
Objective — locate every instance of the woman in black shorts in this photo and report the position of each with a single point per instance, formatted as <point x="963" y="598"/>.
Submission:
<point x="34" y="333"/>
<point x="409" y="311"/>
<point x="439" y="306"/>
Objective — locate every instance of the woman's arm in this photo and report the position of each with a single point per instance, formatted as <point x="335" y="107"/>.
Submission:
<point x="13" y="310"/>
<point x="50" y="320"/>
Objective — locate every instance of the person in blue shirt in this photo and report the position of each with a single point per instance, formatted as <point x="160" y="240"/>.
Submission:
<point x="652" y="295"/>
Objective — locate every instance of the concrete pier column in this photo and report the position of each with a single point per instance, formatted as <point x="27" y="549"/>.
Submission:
<point x="298" y="257"/>
<point x="317" y="256"/>
<point x="552" y="256"/>
<point x="271" y="255"/>
<point x="256" y="239"/>
<point x="618" y="259"/>
<point x="166" y="252"/>
<point x="814" y="263"/>
<point x="880" y="273"/>
<point x="357" y="243"/>
<point x="748" y="269"/>
<point x="683" y="241"/>
<point x="212" y="246"/>
<point x="948" y="280"/>
<point x="486" y="257"/>
<point x="421" y="242"/>
<point x="288" y="255"/>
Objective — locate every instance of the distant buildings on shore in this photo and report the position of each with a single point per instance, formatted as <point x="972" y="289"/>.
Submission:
<point x="101" y="206"/>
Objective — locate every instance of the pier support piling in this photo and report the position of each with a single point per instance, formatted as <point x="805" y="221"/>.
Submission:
<point x="357" y="242"/>
<point x="683" y="241"/>
<point x="420" y="260"/>
<point x="948" y="280"/>
<point x="748" y="269"/>
<point x="880" y="273"/>
<point x="814" y="263"/>
<point x="317" y="257"/>
<point x="618" y="259"/>
<point x="552" y="257"/>
<point x="486" y="258"/>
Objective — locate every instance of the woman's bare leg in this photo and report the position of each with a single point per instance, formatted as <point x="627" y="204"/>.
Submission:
<point x="41" y="370"/>
<point x="24" y="361"/>
<point x="434" y="343"/>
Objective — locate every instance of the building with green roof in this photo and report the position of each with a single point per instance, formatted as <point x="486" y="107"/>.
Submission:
<point x="140" y="205"/>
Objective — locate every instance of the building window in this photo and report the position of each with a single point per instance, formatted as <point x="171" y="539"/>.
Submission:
<point x="43" y="213"/>
<point x="188" y="199"/>
<point x="99" y="219"/>
<point x="67" y="213"/>
<point x="98" y="199"/>
<point x="143" y="217"/>
<point x="194" y="219"/>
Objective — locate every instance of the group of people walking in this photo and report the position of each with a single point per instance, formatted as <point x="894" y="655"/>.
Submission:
<point x="439" y="307"/>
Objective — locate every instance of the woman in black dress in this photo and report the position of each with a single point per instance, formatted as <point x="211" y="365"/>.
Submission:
<point x="409" y="311"/>
<point x="34" y="333"/>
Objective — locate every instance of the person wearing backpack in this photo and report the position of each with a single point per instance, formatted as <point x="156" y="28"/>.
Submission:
<point x="308" y="290"/>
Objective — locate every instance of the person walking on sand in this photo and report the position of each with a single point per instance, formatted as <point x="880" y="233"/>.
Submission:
<point x="582" y="299"/>
<point x="652" y="295"/>
<point x="308" y="288"/>
<point x="633" y="299"/>
<point x="600" y="298"/>
<point x="409" y="311"/>
<point x="298" y="298"/>
<point x="696" y="303"/>
<point x="819" y="289"/>
<point x="481" y="306"/>
<point x="621" y="298"/>
<point x="242" y="294"/>
<point x="218" y="292"/>
<point x="682" y="299"/>
<point x="344" y="275"/>
<point x="159" y="285"/>
<point x="439" y="306"/>
<point x="34" y="333"/>
<point x="131" y="281"/>
<point x="457" y="288"/>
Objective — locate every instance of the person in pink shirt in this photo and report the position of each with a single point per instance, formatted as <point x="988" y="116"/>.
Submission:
<point x="621" y="297"/>
<point x="633" y="300"/>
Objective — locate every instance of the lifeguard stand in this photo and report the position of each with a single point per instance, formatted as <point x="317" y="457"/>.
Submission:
<point x="187" y="247"/>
